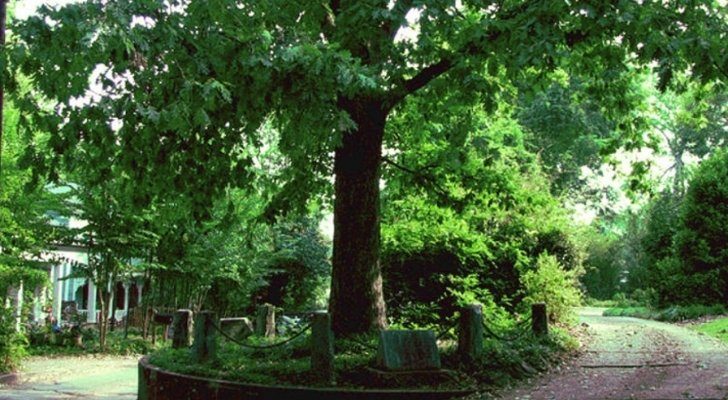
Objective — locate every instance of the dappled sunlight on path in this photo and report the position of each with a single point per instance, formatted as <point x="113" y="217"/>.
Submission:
<point x="631" y="358"/>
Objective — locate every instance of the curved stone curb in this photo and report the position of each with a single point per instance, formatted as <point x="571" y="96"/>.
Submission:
<point x="158" y="384"/>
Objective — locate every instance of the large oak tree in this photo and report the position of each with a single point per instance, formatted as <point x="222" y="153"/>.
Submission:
<point x="184" y="86"/>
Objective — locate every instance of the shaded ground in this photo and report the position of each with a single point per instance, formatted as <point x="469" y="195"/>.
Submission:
<point x="631" y="358"/>
<point x="87" y="377"/>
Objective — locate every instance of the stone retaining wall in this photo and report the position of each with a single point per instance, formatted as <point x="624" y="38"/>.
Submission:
<point x="158" y="384"/>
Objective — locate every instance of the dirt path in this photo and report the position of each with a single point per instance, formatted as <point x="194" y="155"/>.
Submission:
<point x="103" y="378"/>
<point x="631" y="358"/>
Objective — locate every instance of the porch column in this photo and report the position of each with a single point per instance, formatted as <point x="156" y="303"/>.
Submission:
<point x="110" y="306"/>
<point x="57" y="293"/>
<point x="140" y="289"/>
<point x="15" y="295"/>
<point x="127" y="286"/>
<point x="38" y="302"/>
<point x="91" y="302"/>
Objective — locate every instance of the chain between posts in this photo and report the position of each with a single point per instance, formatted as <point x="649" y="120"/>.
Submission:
<point x="447" y="330"/>
<point x="508" y="339"/>
<point x="252" y="346"/>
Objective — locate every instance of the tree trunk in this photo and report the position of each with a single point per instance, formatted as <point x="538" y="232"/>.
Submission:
<point x="3" y="6"/>
<point x="102" y="319"/>
<point x="357" y="300"/>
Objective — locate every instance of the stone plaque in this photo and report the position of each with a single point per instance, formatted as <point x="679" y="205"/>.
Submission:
<point x="239" y="328"/>
<point x="407" y="351"/>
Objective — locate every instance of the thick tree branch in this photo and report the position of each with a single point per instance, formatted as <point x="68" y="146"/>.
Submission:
<point x="328" y="23"/>
<point x="425" y="76"/>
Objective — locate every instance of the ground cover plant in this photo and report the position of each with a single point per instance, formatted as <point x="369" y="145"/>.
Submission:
<point x="502" y="362"/>
<point x="43" y="342"/>
<point x="669" y="314"/>
<point x="717" y="328"/>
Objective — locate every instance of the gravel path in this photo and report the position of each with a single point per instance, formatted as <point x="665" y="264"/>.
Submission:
<point x="631" y="358"/>
<point x="88" y="377"/>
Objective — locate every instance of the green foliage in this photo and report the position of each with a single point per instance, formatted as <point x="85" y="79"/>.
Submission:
<point x="717" y="328"/>
<point x="637" y="312"/>
<point x="550" y="283"/>
<point x="299" y="265"/>
<point x="459" y="223"/>
<point x="12" y="343"/>
<point x="603" y="272"/>
<point x="669" y="314"/>
<point x="44" y="342"/>
<point x="701" y="241"/>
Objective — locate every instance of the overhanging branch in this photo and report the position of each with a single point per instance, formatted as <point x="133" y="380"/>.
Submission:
<point x="420" y="177"/>
<point x="421" y="79"/>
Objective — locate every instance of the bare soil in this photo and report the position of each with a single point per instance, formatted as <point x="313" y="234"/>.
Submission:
<point x="630" y="358"/>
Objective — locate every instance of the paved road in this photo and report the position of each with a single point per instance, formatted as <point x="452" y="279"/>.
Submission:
<point x="88" y="377"/>
<point x="631" y="358"/>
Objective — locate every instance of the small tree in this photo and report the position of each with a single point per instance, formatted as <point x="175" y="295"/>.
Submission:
<point x="550" y="283"/>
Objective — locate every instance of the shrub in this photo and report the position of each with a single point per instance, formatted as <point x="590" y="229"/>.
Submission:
<point x="12" y="343"/>
<point x="550" y="283"/>
<point x="701" y="240"/>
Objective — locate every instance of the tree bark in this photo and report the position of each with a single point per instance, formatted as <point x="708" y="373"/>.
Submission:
<point x="357" y="300"/>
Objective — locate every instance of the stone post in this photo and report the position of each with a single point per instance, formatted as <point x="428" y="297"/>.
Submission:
<point x="470" y="336"/>
<point x="322" y="348"/>
<point x="181" y="328"/>
<point x="265" y="321"/>
<point x="204" y="347"/>
<point x="539" y="319"/>
<point x="91" y="302"/>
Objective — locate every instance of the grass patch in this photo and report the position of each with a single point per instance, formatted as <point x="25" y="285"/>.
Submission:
<point x="717" y="328"/>
<point x="501" y="363"/>
<point x="637" y="312"/>
<point x="670" y="314"/>
<point x="43" y="343"/>
<point x="591" y="302"/>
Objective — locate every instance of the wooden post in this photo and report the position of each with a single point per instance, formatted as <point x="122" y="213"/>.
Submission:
<point x="322" y="348"/>
<point x="181" y="327"/>
<point x="203" y="348"/>
<point x="470" y="338"/>
<point x="539" y="319"/>
<point x="265" y="321"/>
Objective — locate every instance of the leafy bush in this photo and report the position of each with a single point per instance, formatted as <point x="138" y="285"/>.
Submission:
<point x="670" y="314"/>
<point x="701" y="241"/>
<point x="550" y="283"/>
<point x="45" y="343"/>
<point x="12" y="343"/>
